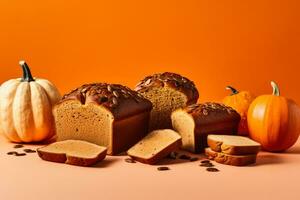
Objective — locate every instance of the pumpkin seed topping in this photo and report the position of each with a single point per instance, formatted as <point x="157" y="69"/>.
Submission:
<point x="115" y="101"/>
<point x="148" y="81"/>
<point x="116" y="94"/>
<point x="169" y="79"/>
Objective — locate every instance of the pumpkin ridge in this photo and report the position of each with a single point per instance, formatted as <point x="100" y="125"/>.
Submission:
<point x="265" y="120"/>
<point x="52" y="93"/>
<point x="22" y="117"/>
<point x="12" y="135"/>
<point x="40" y="118"/>
<point x="294" y="125"/>
<point x="284" y="122"/>
<point x="273" y="110"/>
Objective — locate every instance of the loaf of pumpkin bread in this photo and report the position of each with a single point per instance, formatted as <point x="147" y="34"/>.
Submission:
<point x="196" y="121"/>
<point x="109" y="115"/>
<point x="167" y="92"/>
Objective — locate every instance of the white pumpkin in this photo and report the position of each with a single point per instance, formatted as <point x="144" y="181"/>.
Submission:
<point x="26" y="108"/>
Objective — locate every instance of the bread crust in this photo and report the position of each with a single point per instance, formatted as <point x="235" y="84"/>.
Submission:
<point x="209" y="113"/>
<point x="120" y="100"/>
<point x="235" y="160"/>
<point x="71" y="160"/>
<point x="127" y="132"/>
<point x="220" y="146"/>
<point x="173" y="80"/>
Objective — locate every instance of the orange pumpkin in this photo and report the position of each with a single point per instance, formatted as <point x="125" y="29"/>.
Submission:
<point x="240" y="101"/>
<point x="274" y="121"/>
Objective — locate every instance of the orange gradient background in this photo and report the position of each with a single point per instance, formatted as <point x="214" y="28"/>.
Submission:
<point x="214" y="43"/>
<point x="243" y="43"/>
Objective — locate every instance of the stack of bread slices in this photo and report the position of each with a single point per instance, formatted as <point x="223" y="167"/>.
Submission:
<point x="232" y="150"/>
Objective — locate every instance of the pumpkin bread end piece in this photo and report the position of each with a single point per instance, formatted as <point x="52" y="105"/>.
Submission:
<point x="73" y="152"/>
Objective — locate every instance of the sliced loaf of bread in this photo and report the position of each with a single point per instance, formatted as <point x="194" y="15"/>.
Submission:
<point x="109" y="115"/>
<point x="167" y="91"/>
<point x="73" y="152"/>
<point x="155" y="146"/>
<point x="233" y="145"/>
<point x="235" y="160"/>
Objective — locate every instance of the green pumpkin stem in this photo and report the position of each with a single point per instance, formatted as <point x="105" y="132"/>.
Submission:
<point x="233" y="90"/>
<point x="275" y="87"/>
<point x="26" y="72"/>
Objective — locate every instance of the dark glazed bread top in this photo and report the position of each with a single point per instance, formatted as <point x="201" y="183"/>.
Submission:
<point x="173" y="80"/>
<point x="209" y="113"/>
<point x="120" y="100"/>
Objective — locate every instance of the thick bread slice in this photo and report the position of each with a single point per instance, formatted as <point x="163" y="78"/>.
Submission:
<point x="73" y="152"/>
<point x="155" y="146"/>
<point x="233" y="145"/>
<point x="235" y="160"/>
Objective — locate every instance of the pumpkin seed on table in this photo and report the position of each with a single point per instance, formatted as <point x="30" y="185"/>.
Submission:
<point x="17" y="146"/>
<point x="129" y="160"/>
<point x="212" y="169"/>
<point x="12" y="153"/>
<point x="163" y="168"/>
<point x="205" y="161"/>
<point x="29" y="151"/>
<point x="206" y="165"/>
<point x="20" y="154"/>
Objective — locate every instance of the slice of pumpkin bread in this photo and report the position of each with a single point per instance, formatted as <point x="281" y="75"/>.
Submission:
<point x="232" y="144"/>
<point x="235" y="160"/>
<point x="155" y="146"/>
<point x="73" y="152"/>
